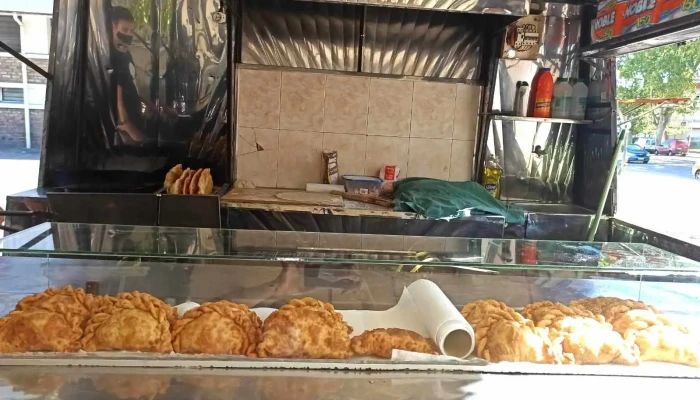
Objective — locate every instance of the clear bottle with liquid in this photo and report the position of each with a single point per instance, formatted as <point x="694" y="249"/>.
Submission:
<point x="491" y="177"/>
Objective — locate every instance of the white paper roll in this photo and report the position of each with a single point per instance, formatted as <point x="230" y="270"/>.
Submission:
<point x="448" y="328"/>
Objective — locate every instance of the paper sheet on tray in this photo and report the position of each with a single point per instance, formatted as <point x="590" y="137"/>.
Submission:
<point x="422" y="308"/>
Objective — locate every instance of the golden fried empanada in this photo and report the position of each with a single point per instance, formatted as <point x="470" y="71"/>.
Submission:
<point x="194" y="187"/>
<point x="218" y="328"/>
<point x="132" y="387"/>
<point x="172" y="176"/>
<point x="131" y="321"/>
<point x="508" y="340"/>
<point x="179" y="186"/>
<point x="75" y="301"/>
<point x="206" y="182"/>
<point x="305" y="331"/>
<point x="658" y="337"/>
<point x="542" y="313"/>
<point x="41" y="330"/>
<point x="381" y="342"/>
<point x="608" y="307"/>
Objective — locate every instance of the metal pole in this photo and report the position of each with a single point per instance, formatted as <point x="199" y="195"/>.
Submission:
<point x="24" y="60"/>
<point x="25" y="88"/>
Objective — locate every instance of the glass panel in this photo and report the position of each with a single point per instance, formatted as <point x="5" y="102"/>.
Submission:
<point x="484" y="256"/>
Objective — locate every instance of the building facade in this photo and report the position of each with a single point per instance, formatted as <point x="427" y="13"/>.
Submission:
<point x="26" y="27"/>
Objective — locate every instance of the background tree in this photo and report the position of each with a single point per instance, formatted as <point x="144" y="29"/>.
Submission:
<point x="667" y="71"/>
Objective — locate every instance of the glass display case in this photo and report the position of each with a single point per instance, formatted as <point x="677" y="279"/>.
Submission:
<point x="562" y="308"/>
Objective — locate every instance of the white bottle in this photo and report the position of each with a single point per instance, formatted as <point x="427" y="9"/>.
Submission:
<point x="594" y="102"/>
<point x="578" y="100"/>
<point x="561" y="100"/>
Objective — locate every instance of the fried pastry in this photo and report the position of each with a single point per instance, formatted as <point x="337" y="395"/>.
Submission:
<point x="75" y="301"/>
<point x="305" y="329"/>
<point x="57" y="330"/>
<point x="484" y="313"/>
<point x="544" y="312"/>
<point x="658" y="337"/>
<point x="218" y="328"/>
<point x="381" y="342"/>
<point x="186" y="183"/>
<point x="507" y="340"/>
<point x="608" y="307"/>
<point x="585" y="337"/>
<point x="172" y="176"/>
<point x="131" y="321"/>
<point x="132" y="387"/>
<point x="206" y="182"/>
<point x="194" y="188"/>
<point x="178" y="186"/>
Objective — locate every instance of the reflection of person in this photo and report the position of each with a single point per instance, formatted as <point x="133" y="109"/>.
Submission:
<point x="131" y="122"/>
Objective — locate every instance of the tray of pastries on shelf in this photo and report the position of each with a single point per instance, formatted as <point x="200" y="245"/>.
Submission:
<point x="188" y="181"/>
<point x="68" y="320"/>
<point x="602" y="330"/>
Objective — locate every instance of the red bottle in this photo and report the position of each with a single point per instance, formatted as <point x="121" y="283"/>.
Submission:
<point x="541" y="94"/>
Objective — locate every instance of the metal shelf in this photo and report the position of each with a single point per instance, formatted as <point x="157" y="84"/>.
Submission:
<point x="515" y="118"/>
<point x="673" y="31"/>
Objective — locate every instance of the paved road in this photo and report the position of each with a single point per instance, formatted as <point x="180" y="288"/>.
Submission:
<point x="661" y="195"/>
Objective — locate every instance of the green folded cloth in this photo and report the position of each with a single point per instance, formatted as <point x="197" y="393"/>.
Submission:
<point x="438" y="199"/>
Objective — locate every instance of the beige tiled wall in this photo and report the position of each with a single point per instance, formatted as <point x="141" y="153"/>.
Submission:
<point x="287" y="118"/>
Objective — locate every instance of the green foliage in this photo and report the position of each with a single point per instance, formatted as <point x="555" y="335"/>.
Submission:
<point x="141" y="10"/>
<point x="666" y="71"/>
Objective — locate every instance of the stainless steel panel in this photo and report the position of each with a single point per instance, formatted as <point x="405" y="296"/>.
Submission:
<point x="508" y="7"/>
<point x="301" y="34"/>
<point x="63" y="383"/>
<point x="421" y="43"/>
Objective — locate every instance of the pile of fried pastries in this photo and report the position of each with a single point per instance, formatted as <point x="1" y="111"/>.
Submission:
<point x="69" y="320"/>
<point x="602" y="330"/>
<point x="188" y="181"/>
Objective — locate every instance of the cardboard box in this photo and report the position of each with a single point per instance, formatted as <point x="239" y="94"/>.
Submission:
<point x="608" y="21"/>
<point x="640" y="14"/>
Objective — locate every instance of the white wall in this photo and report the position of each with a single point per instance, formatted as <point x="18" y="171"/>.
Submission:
<point x="37" y="35"/>
<point x="27" y="6"/>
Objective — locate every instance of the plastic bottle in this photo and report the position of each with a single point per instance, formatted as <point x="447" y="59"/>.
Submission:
<point x="521" y="95"/>
<point x="543" y="94"/>
<point x="578" y="100"/>
<point x="561" y="101"/>
<point x="491" y="177"/>
<point x="593" y="105"/>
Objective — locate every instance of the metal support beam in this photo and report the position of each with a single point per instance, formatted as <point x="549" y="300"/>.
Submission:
<point x="24" y="60"/>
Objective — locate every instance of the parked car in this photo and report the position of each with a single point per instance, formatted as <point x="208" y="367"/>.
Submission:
<point x="673" y="146"/>
<point x="636" y="153"/>
<point x="648" y="144"/>
<point x="696" y="170"/>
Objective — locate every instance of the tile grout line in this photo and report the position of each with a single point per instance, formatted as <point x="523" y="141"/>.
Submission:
<point x="454" y="119"/>
<point x="279" y="134"/>
<point x="410" y="130"/>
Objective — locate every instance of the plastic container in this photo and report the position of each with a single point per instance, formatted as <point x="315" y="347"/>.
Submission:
<point x="543" y="94"/>
<point x="364" y="185"/>
<point x="522" y="90"/>
<point x="561" y="101"/>
<point x="579" y="99"/>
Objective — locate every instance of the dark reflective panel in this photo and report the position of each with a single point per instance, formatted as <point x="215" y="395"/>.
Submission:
<point x="154" y="95"/>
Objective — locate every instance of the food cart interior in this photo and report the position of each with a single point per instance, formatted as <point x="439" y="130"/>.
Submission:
<point x="251" y="93"/>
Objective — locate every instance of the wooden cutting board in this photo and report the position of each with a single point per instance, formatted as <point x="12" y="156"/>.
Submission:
<point x="283" y="196"/>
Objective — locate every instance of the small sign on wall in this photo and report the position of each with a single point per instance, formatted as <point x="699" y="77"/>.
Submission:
<point x="523" y="38"/>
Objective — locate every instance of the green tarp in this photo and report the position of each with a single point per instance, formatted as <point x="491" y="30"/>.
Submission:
<point x="434" y="198"/>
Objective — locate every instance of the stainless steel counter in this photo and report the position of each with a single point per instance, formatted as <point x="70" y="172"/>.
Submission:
<point x="140" y="383"/>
